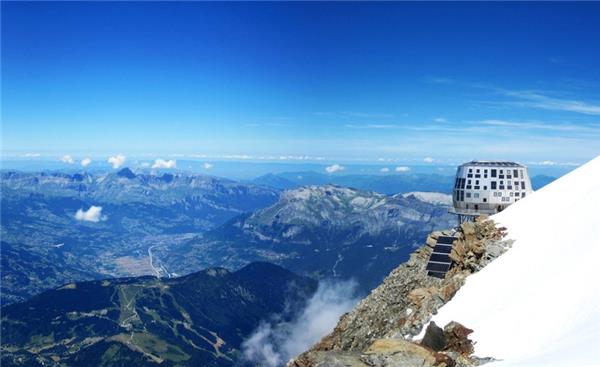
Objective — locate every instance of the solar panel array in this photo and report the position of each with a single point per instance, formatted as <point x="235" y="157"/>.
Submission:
<point x="440" y="262"/>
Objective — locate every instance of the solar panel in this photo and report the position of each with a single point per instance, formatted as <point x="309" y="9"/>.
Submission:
<point x="437" y="274"/>
<point x="442" y="249"/>
<point x="439" y="261"/>
<point x="441" y="267"/>
<point x="440" y="258"/>
<point x="447" y="240"/>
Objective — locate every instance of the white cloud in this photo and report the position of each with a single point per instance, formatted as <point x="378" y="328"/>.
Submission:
<point x="547" y="163"/>
<point x="440" y="119"/>
<point x="273" y="344"/>
<point x="372" y="126"/>
<point x="32" y="155"/>
<point x="161" y="163"/>
<point x="537" y="100"/>
<point x="85" y="162"/>
<point x="207" y="165"/>
<point x="402" y="169"/>
<point x="117" y="160"/>
<point x="145" y="164"/>
<point x="384" y="169"/>
<point x="93" y="214"/>
<point x="428" y="160"/>
<point x="67" y="159"/>
<point x="334" y="168"/>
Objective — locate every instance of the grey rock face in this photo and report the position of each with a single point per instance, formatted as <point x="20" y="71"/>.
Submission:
<point x="434" y="337"/>
<point x="396" y="311"/>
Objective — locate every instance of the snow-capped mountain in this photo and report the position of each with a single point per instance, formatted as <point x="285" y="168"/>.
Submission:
<point x="539" y="304"/>
<point x="431" y="197"/>
<point x="322" y="231"/>
<point x="522" y="291"/>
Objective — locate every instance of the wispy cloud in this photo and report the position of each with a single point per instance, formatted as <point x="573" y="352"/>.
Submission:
<point x="117" y="160"/>
<point x="440" y="119"/>
<point x="207" y="165"/>
<point x="538" y="125"/>
<point x="67" y="159"/>
<point x="161" y="163"/>
<point x="354" y="114"/>
<point x="428" y="160"/>
<point x="85" y="162"/>
<point x="267" y="124"/>
<point x="273" y="344"/>
<point x="334" y="168"/>
<point x="528" y="98"/>
<point x="537" y="100"/>
<point x="402" y="169"/>
<point x="372" y="126"/>
<point x="384" y="170"/>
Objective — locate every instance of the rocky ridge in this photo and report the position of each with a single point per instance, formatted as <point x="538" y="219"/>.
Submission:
<point x="381" y="328"/>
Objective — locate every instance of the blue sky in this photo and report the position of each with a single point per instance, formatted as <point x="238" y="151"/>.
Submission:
<point x="332" y="82"/>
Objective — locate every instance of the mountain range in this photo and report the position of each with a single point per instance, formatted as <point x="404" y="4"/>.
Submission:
<point x="45" y="245"/>
<point x="197" y="320"/>
<point x="320" y="231"/>
<point x="389" y="184"/>
<point x="173" y="224"/>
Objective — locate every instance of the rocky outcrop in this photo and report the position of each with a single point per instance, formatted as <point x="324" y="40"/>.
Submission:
<point x="381" y="328"/>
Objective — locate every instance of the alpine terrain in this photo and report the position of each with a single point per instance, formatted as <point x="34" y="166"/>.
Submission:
<point x="197" y="320"/>
<point x="522" y="292"/>
<point x="59" y="228"/>
<point x="321" y="231"/>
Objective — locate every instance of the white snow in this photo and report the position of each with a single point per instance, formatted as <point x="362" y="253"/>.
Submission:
<point x="437" y="198"/>
<point x="539" y="303"/>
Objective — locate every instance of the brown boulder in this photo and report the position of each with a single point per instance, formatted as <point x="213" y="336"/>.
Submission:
<point x="457" y="339"/>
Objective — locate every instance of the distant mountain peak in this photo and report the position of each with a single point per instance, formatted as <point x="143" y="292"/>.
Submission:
<point x="126" y="173"/>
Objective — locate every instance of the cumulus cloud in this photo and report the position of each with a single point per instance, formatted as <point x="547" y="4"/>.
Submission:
<point x="402" y="169"/>
<point x="207" y="165"/>
<point x="428" y="160"/>
<point x="67" y="159"/>
<point x="117" y="160"/>
<point x="93" y="214"/>
<point x="85" y="162"/>
<point x="334" y="168"/>
<point x="384" y="169"/>
<point x="273" y="344"/>
<point x="161" y="163"/>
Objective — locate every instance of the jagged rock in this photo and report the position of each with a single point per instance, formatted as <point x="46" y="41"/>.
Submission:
<point x="420" y="295"/>
<point x="399" y="308"/>
<point x="329" y="359"/>
<point x="434" y="337"/>
<point x="398" y="352"/>
<point x="457" y="340"/>
<point x="481" y="218"/>
<point x="431" y="241"/>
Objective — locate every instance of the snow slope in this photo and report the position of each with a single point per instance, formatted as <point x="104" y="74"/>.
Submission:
<point x="539" y="303"/>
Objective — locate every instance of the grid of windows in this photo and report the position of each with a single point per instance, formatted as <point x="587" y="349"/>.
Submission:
<point x="505" y="184"/>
